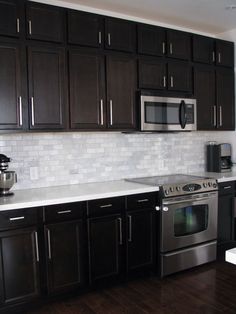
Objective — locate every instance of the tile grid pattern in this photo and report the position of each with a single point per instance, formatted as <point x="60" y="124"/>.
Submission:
<point x="50" y="159"/>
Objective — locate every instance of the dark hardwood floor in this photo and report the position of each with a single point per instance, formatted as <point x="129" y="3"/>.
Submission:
<point x="206" y="289"/>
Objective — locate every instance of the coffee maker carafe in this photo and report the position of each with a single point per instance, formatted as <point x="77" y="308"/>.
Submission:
<point x="219" y="157"/>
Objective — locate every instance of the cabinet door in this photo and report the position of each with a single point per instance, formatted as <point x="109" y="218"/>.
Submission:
<point x="85" y="29"/>
<point x="225" y="98"/>
<point x="224" y="53"/>
<point x="203" y="49"/>
<point x="179" y="76"/>
<point x="140" y="239"/>
<point x="87" y="103"/>
<point x="45" y="22"/>
<point x="46" y="87"/>
<point x="151" y="40"/>
<point x="121" y="86"/>
<point x="204" y="92"/>
<point x="11" y="101"/>
<point x="178" y="45"/>
<point x="105" y="242"/>
<point x="120" y="35"/>
<point x="19" y="269"/>
<point x="66" y="258"/>
<point x="225" y="218"/>
<point x="9" y="18"/>
<point x="152" y="74"/>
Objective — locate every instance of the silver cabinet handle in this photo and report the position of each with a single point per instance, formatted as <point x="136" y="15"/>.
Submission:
<point x="165" y="209"/>
<point x="163" y="47"/>
<point x="164" y="81"/>
<point x="101" y="108"/>
<point x="213" y="56"/>
<point x="109" y="39"/>
<point x="120" y="231"/>
<point x="18" y="25"/>
<point x="60" y="212"/>
<point x="171" y="48"/>
<point x="32" y="111"/>
<point x="130" y="228"/>
<point x="20" y="112"/>
<point x="214" y="115"/>
<point x="36" y="245"/>
<point x="219" y="57"/>
<point x="17" y="218"/>
<point x="30" y="27"/>
<point x="143" y="200"/>
<point x="227" y="187"/>
<point x="111" y="112"/>
<point x="100" y="37"/>
<point x="221" y="121"/>
<point x="49" y="244"/>
<point x="106" y="206"/>
<point x="171" y="81"/>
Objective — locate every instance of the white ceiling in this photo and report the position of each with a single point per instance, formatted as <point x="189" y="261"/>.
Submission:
<point x="203" y="15"/>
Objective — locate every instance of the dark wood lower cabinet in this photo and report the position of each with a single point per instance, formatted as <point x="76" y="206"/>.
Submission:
<point x="105" y="243"/>
<point x="66" y="258"/>
<point x="19" y="265"/>
<point x="140" y="239"/>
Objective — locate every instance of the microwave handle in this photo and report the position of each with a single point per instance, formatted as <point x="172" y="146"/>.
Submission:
<point x="182" y="114"/>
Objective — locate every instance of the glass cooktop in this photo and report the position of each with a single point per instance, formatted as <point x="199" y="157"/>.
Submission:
<point x="166" y="180"/>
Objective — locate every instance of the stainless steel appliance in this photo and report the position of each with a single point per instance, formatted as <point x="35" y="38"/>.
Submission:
<point x="7" y="178"/>
<point x="167" y="114"/>
<point x="188" y="220"/>
<point x="219" y="157"/>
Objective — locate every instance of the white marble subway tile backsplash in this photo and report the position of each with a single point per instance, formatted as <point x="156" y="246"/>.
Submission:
<point x="49" y="159"/>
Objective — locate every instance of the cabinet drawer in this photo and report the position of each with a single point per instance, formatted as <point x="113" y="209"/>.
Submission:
<point x="11" y="219"/>
<point x="106" y="206"/>
<point x="62" y="212"/>
<point x="141" y="201"/>
<point x="227" y="188"/>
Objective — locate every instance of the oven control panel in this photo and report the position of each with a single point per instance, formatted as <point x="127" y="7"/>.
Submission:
<point x="190" y="188"/>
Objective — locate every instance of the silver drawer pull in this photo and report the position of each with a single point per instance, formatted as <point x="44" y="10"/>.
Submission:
<point x="99" y="38"/>
<point x="163" y="47"/>
<point x="37" y="246"/>
<point x="18" y="25"/>
<point x="17" y="218"/>
<point x="227" y="187"/>
<point x="64" y="212"/>
<point x="106" y="206"/>
<point x="109" y="39"/>
<point x="143" y="201"/>
<point x="30" y="27"/>
<point x="49" y="244"/>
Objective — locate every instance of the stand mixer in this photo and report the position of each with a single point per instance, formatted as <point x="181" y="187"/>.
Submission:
<point x="7" y="178"/>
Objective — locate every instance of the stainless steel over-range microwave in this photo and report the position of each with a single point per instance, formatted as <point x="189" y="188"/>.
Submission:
<point x="168" y="114"/>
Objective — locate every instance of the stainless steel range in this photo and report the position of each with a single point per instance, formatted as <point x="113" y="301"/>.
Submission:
<point x="188" y="220"/>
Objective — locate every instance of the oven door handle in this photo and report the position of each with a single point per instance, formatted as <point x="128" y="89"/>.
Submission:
<point x="182" y="114"/>
<point x="188" y="200"/>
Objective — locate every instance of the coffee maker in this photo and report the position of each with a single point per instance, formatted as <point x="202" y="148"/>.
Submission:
<point x="219" y="157"/>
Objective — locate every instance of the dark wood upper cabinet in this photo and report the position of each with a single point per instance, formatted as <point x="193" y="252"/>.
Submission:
<point x="19" y="265"/>
<point x="120" y="35"/>
<point x="152" y="73"/>
<point x="66" y="258"/>
<point x="225" y="99"/>
<point x="45" y="22"/>
<point x="87" y="91"/>
<point x="85" y="29"/>
<point x="121" y="88"/>
<point x="10" y="18"/>
<point x="180" y="76"/>
<point x="178" y="45"/>
<point x="46" y="67"/>
<point x="224" y="53"/>
<point x="204" y="92"/>
<point x="203" y="49"/>
<point x="151" y="40"/>
<point x="11" y="90"/>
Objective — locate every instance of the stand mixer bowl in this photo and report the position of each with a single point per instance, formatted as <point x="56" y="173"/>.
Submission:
<point x="7" y="180"/>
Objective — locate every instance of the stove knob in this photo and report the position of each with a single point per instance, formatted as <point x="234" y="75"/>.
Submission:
<point x="214" y="185"/>
<point x="178" y="188"/>
<point x="166" y="192"/>
<point x="205" y="185"/>
<point x="209" y="184"/>
<point x="172" y="189"/>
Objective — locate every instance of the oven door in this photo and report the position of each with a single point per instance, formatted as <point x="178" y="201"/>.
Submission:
<point x="188" y="220"/>
<point x="167" y="114"/>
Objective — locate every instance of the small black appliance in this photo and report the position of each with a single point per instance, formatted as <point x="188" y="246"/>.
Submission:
<point x="219" y="157"/>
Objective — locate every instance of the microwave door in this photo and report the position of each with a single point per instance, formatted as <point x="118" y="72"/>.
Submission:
<point x="182" y="114"/>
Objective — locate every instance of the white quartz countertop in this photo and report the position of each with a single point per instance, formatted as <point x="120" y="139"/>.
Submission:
<point x="220" y="177"/>
<point x="72" y="193"/>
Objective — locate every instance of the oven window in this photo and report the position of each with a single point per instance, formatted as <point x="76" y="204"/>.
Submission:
<point x="191" y="219"/>
<point x="161" y="113"/>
